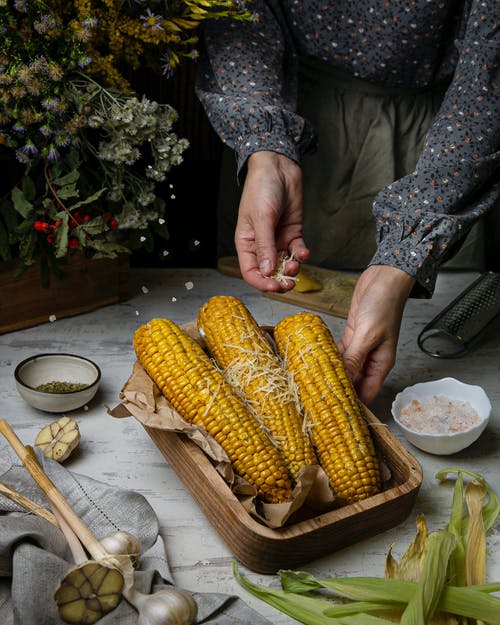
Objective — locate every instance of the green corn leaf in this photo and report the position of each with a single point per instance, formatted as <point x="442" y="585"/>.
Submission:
<point x="425" y="599"/>
<point x="378" y="589"/>
<point x="469" y="601"/>
<point x="491" y="509"/>
<point x="365" y="619"/>
<point x="307" y="610"/>
<point x="456" y="528"/>
<point x="363" y="607"/>
<point x="298" y="581"/>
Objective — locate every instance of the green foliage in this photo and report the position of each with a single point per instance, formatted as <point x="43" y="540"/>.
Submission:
<point x="93" y="152"/>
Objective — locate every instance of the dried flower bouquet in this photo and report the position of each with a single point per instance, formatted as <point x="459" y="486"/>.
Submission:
<point x="88" y="154"/>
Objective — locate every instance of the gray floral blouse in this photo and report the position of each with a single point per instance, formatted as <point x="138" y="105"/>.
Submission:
<point x="247" y="84"/>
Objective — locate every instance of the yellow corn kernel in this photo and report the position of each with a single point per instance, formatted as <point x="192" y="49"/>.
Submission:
<point x="338" y="428"/>
<point x="197" y="390"/>
<point x="244" y="352"/>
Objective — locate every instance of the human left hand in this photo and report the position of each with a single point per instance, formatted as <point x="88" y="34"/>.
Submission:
<point x="370" y="337"/>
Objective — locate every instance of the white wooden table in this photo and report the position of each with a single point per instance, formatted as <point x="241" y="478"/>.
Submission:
<point x="121" y="453"/>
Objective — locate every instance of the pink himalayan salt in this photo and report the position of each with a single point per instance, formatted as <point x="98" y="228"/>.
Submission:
<point x="438" y="415"/>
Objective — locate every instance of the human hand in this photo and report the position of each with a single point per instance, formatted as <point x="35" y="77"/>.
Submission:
<point x="269" y="223"/>
<point x="370" y="338"/>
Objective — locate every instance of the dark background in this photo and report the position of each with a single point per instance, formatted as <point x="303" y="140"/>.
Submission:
<point x="191" y="216"/>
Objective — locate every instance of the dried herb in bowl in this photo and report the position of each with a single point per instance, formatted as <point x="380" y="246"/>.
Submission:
<point x="56" y="386"/>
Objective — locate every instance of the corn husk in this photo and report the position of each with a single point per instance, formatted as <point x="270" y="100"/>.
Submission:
<point x="440" y="579"/>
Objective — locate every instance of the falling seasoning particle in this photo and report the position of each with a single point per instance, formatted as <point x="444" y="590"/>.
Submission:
<point x="189" y="285"/>
<point x="142" y="239"/>
<point x="52" y="318"/>
<point x="196" y="242"/>
<point x="165" y="252"/>
<point x="145" y="289"/>
<point x="85" y="408"/>
<point x="174" y="299"/>
<point x="172" y="197"/>
<point x="161" y="221"/>
<point x="171" y="186"/>
<point x="136" y="313"/>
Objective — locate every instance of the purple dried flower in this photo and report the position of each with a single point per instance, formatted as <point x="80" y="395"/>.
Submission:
<point x="29" y="148"/>
<point x="84" y="61"/>
<point x="166" y="65"/>
<point x="45" y="131"/>
<point x="51" y="104"/>
<point x="51" y="154"/>
<point x="62" y="140"/>
<point x="150" y="20"/>
<point x="44" y="24"/>
<point x="90" y="22"/>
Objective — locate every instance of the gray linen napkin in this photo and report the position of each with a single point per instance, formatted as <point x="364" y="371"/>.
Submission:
<point x="34" y="554"/>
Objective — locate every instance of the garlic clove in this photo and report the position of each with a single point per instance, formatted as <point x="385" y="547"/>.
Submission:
<point x="121" y="543"/>
<point x="58" y="439"/>
<point x="168" y="606"/>
<point x="88" y="592"/>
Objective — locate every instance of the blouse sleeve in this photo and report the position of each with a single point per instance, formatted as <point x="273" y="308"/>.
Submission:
<point x="247" y="83"/>
<point x="422" y="217"/>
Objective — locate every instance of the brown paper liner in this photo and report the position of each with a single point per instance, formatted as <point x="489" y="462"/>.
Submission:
<point x="142" y="399"/>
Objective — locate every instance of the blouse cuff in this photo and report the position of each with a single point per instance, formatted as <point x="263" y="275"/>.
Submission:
<point x="284" y="133"/>
<point x="418" y="246"/>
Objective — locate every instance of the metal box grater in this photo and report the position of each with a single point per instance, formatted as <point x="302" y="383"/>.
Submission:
<point x="452" y="331"/>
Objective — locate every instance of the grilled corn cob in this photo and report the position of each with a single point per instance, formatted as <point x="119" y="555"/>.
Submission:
<point x="187" y="377"/>
<point x="338" y="429"/>
<point x="250" y="364"/>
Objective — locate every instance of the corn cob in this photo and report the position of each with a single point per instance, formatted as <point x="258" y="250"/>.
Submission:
<point x="250" y="364"/>
<point x="338" y="429"/>
<point x="187" y="377"/>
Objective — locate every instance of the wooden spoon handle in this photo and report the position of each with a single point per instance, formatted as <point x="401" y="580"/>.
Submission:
<point x="57" y="500"/>
<point x="26" y="503"/>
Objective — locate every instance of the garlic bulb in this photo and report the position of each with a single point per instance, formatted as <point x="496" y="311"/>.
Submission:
<point x="168" y="606"/>
<point x="58" y="439"/>
<point x="121" y="543"/>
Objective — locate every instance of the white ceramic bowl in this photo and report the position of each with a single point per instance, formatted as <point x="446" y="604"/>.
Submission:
<point x="44" y="368"/>
<point x="449" y="443"/>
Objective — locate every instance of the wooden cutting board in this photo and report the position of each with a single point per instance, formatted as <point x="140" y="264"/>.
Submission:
<point x="334" y="298"/>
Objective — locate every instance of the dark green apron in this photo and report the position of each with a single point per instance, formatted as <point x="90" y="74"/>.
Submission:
<point x="368" y="137"/>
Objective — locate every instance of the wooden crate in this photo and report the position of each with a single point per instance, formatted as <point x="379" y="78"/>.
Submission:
<point x="266" y="550"/>
<point x="89" y="284"/>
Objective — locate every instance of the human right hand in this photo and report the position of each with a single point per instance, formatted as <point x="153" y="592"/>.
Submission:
<point x="370" y="338"/>
<point x="269" y="223"/>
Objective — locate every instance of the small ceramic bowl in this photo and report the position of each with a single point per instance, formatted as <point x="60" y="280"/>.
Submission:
<point x="45" y="368"/>
<point x="450" y="442"/>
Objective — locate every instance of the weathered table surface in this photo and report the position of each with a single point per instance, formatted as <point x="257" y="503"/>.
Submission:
<point x="121" y="453"/>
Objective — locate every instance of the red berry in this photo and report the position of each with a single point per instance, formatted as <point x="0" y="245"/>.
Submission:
<point x="72" y="243"/>
<point x="86" y="218"/>
<point x="41" y="226"/>
<point x="112" y="223"/>
<point x="51" y="238"/>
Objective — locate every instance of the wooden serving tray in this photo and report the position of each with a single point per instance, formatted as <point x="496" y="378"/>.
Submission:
<point x="265" y="550"/>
